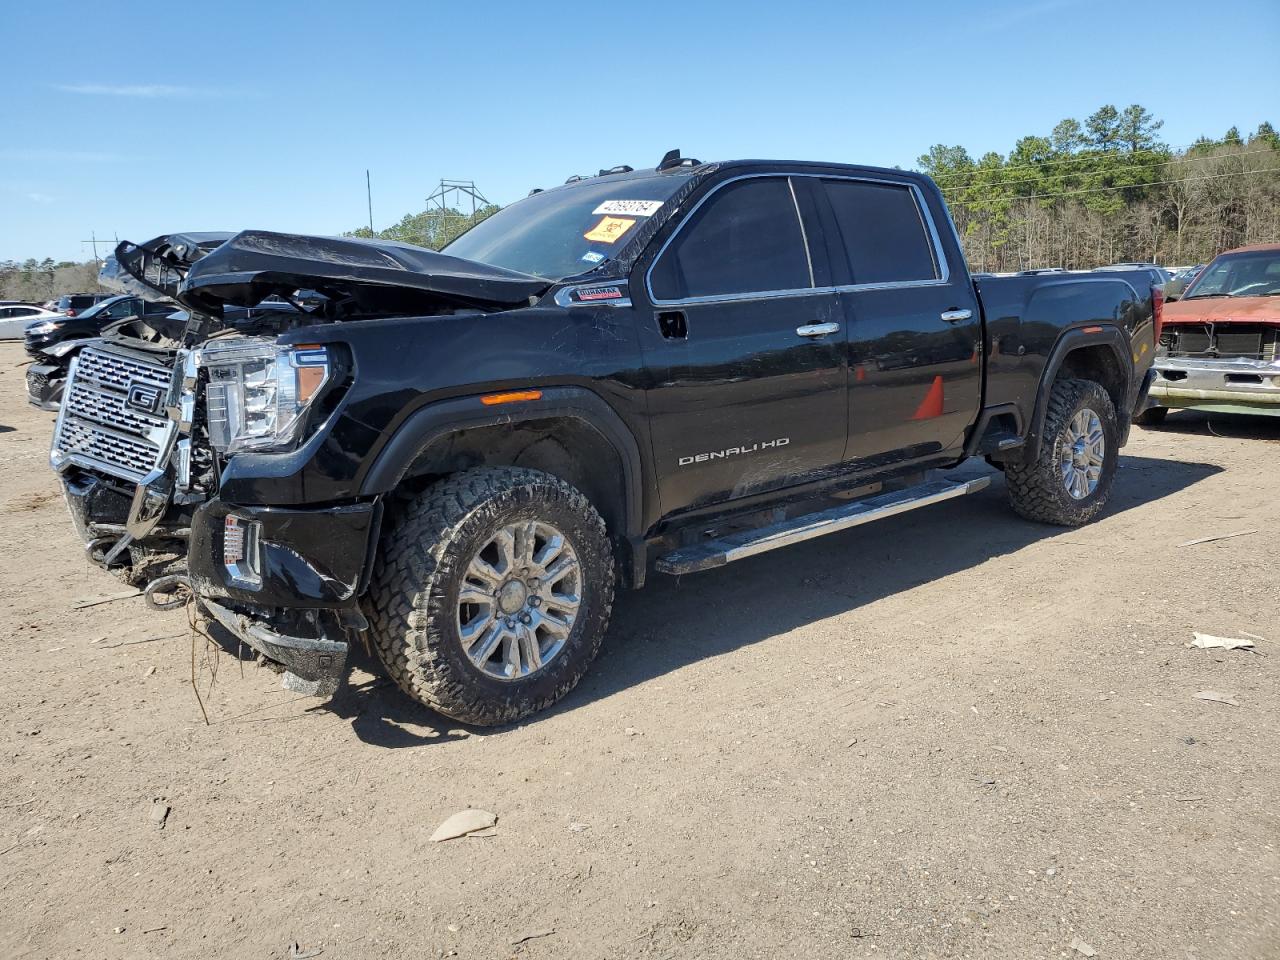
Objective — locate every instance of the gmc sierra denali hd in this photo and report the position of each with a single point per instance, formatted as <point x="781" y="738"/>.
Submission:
<point x="457" y="455"/>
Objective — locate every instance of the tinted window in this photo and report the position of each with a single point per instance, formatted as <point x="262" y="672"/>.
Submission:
<point x="883" y="232"/>
<point x="745" y="238"/>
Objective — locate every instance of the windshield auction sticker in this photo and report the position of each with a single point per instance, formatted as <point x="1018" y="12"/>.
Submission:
<point x="630" y="208"/>
<point x="609" y="229"/>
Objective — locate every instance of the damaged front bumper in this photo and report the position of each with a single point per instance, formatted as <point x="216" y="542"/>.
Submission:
<point x="312" y="665"/>
<point x="1233" y="385"/>
<point x="287" y="582"/>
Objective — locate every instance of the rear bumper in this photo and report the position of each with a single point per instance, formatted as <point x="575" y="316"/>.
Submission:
<point x="1233" y="385"/>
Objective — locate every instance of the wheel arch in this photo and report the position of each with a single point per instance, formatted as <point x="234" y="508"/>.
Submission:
<point x="568" y="432"/>
<point x="1097" y="353"/>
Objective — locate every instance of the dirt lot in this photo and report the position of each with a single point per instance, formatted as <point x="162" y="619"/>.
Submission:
<point x="950" y="734"/>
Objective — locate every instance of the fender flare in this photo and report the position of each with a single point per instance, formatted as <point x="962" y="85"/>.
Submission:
<point x="437" y="420"/>
<point x="1076" y="338"/>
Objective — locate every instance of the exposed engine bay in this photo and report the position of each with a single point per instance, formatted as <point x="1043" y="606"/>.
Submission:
<point x="155" y="407"/>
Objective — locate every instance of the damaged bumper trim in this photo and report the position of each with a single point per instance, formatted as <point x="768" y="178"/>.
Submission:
<point x="313" y="666"/>
<point x="1239" y="384"/>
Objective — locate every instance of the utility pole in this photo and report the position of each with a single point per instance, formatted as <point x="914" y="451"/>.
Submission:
<point x="368" y="190"/>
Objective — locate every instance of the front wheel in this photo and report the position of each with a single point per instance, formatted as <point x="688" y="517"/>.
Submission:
<point x="492" y="593"/>
<point x="1070" y="479"/>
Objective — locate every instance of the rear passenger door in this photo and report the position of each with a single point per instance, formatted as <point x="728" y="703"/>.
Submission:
<point x="914" y="330"/>
<point x="744" y="356"/>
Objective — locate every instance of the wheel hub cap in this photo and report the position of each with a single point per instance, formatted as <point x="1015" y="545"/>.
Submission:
<point x="519" y="599"/>
<point x="512" y="596"/>
<point x="1084" y="447"/>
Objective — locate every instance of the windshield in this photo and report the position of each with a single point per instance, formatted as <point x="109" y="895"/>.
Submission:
<point x="1255" y="274"/>
<point x="568" y="230"/>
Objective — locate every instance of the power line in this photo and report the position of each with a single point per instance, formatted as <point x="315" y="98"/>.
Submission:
<point x="1157" y="183"/>
<point x="1091" y="157"/>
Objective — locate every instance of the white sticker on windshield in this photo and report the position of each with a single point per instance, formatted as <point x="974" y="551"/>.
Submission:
<point x="630" y="208"/>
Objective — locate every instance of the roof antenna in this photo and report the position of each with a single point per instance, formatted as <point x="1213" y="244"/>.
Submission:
<point x="670" y="159"/>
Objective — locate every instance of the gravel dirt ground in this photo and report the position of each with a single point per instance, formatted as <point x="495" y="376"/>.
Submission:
<point x="949" y="734"/>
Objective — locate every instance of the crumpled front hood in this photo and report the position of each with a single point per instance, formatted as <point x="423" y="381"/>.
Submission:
<point x="162" y="264"/>
<point x="1224" y="310"/>
<point x="372" y="276"/>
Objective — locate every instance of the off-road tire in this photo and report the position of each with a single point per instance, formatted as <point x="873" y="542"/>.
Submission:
<point x="1036" y="489"/>
<point x="1152" y="417"/>
<point x="412" y="595"/>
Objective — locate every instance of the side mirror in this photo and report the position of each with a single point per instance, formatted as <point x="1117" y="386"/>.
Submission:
<point x="1174" y="289"/>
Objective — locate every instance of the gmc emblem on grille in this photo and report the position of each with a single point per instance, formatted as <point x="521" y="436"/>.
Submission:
<point x="144" y="397"/>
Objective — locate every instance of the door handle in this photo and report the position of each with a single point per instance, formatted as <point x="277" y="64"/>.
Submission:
<point x="957" y="316"/>
<point x="818" y="329"/>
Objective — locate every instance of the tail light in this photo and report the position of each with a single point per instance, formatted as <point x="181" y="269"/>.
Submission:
<point x="1157" y="310"/>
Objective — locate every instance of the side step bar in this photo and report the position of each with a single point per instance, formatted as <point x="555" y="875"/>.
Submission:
<point x="737" y="546"/>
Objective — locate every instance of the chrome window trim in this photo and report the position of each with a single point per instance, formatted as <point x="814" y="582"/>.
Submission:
<point x="804" y="234"/>
<point x="922" y="210"/>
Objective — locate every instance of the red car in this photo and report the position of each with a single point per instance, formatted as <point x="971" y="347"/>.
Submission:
<point x="1220" y="341"/>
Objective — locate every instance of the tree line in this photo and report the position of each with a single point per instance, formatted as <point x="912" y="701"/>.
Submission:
<point x="1109" y="190"/>
<point x="40" y="280"/>
<point x="431" y="228"/>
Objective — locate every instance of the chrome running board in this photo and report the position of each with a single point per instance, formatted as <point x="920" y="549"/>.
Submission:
<point x="737" y="546"/>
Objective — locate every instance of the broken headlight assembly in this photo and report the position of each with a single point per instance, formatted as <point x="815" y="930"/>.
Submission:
<point x="258" y="392"/>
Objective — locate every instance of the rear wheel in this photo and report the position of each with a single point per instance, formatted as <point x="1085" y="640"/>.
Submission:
<point x="492" y="594"/>
<point x="1071" y="478"/>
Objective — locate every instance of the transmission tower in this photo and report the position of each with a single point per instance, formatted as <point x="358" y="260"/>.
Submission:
<point x="454" y="195"/>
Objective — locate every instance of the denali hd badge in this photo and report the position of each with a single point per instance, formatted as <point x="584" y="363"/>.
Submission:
<point x="735" y="451"/>
<point x="144" y="397"/>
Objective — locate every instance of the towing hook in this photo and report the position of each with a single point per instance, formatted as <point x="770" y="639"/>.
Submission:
<point x="175" y="587"/>
<point x="102" y="550"/>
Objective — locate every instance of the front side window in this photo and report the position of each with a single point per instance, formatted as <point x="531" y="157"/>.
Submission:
<point x="883" y="231"/>
<point x="746" y="238"/>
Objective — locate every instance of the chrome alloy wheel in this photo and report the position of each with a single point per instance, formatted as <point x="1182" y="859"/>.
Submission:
<point x="1083" y="447"/>
<point x="519" y="598"/>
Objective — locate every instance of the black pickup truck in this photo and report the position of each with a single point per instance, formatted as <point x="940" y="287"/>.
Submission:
<point x="457" y="455"/>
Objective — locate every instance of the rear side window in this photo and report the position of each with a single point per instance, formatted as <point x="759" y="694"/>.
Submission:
<point x="746" y="238"/>
<point x="883" y="231"/>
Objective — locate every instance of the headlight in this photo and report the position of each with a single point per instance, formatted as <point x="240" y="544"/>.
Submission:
<point x="43" y="327"/>
<point x="65" y="347"/>
<point x="258" y="392"/>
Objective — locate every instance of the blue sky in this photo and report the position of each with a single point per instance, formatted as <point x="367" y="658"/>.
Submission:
<point x="137" y="119"/>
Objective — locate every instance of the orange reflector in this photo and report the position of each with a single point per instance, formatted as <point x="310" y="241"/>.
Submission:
<point x="1092" y="329"/>
<point x="515" y="396"/>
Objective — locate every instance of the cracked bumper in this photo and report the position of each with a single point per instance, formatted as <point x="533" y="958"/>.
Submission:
<point x="1238" y="385"/>
<point x="313" y="665"/>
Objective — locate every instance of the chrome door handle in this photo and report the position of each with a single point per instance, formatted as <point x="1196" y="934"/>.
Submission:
<point x="957" y="316"/>
<point x="818" y="329"/>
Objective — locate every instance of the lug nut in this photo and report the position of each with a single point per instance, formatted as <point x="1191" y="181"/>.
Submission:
<point x="525" y="618"/>
<point x="535" y="601"/>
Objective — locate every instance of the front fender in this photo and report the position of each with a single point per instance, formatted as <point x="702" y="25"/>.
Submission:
<point x="435" y="421"/>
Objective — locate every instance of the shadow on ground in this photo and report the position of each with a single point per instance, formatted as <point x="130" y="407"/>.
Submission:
<point x="1232" y="426"/>
<point x="676" y="621"/>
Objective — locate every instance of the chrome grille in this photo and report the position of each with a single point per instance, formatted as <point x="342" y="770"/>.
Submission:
<point x="99" y="429"/>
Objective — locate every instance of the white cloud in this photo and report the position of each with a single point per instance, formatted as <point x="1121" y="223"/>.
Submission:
<point x="150" y="91"/>
<point x="54" y="155"/>
<point x="36" y="197"/>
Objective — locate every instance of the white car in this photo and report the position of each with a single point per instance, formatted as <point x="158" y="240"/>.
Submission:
<point x="14" y="318"/>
